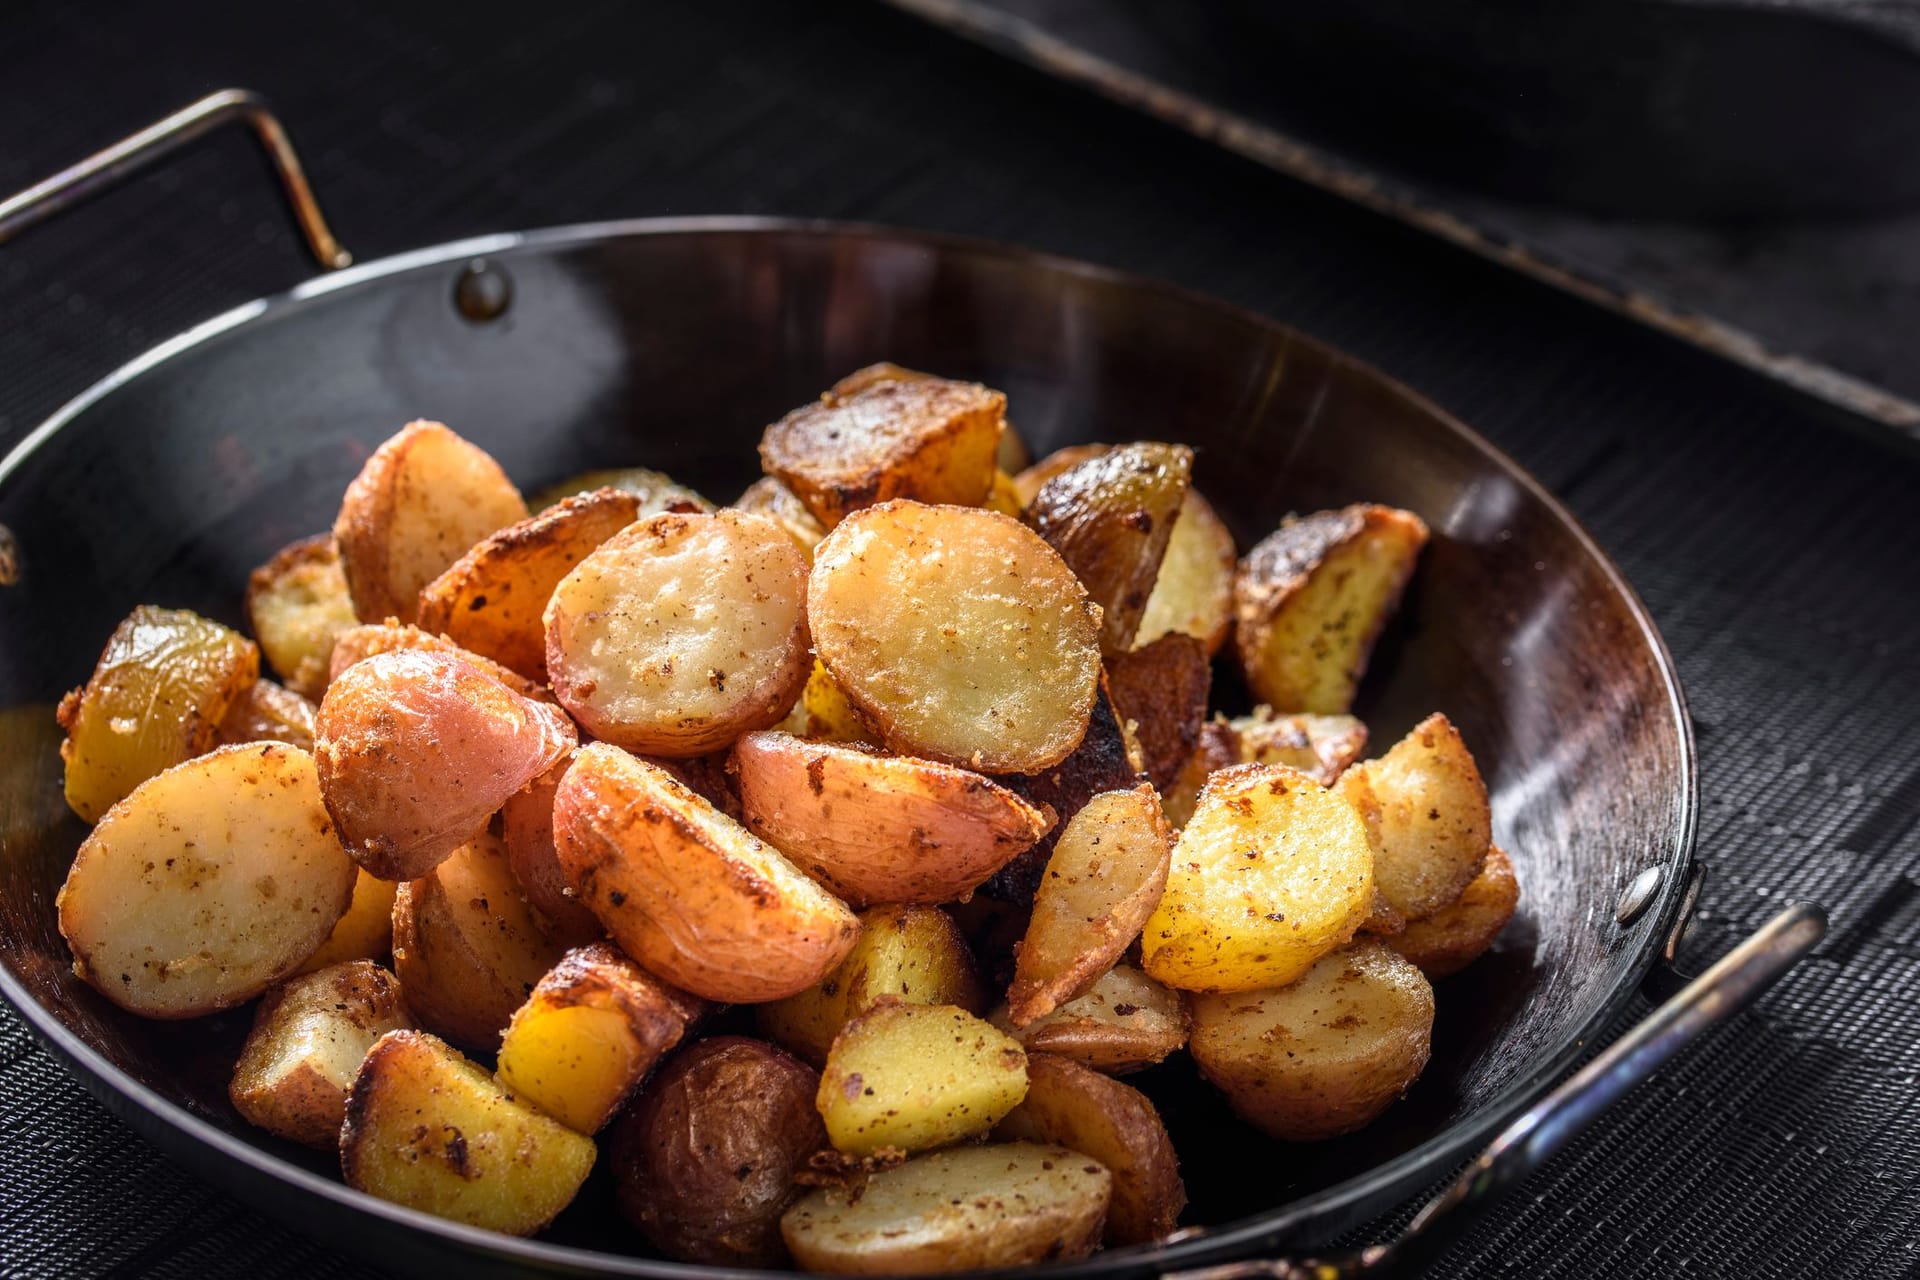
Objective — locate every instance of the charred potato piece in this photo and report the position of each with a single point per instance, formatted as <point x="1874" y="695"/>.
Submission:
<point x="1006" y="1205"/>
<point x="877" y="828"/>
<point x="1160" y="691"/>
<point x="207" y="884"/>
<point x="526" y="827"/>
<point x="427" y="1129"/>
<point x="365" y="932"/>
<point x="1104" y="879"/>
<point x="1194" y="593"/>
<point x="680" y="634"/>
<point x="491" y="600"/>
<point x="705" y="1160"/>
<point x="958" y="634"/>
<point x="1455" y="936"/>
<point x="357" y="644"/>
<point x="1124" y="1022"/>
<point x="1427" y="813"/>
<point x="423" y="499"/>
<point x="1216" y="746"/>
<point x="587" y="1036"/>
<point x="688" y="892"/>
<point x="268" y="713"/>
<point x="654" y="490"/>
<point x="1027" y="482"/>
<point x="308" y="1039"/>
<point x="768" y="497"/>
<point x="1324" y="1055"/>
<point x="910" y="953"/>
<point x="917" y="1076"/>
<point x="1273" y="872"/>
<point x="297" y="604"/>
<point x="1319" y="746"/>
<point x="1310" y="600"/>
<point x="156" y="698"/>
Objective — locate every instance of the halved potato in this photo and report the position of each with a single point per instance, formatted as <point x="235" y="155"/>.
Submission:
<point x="526" y="827"/>
<point x="156" y="698"/>
<point x="1319" y="746"/>
<point x="365" y="932"/>
<point x="491" y="600"/>
<point x="923" y="438"/>
<point x="1216" y="746"/>
<point x="309" y="1036"/>
<point x="877" y="828"/>
<point x="207" y="884"/>
<point x="958" y="634"/>
<point x="1006" y="1205"/>
<point x="1117" y="1125"/>
<point x="423" y="499"/>
<point x="1104" y="880"/>
<point x="1194" y="593"/>
<point x="1027" y="482"/>
<point x="587" y="1036"/>
<point x="298" y="605"/>
<point x="681" y="633"/>
<point x="688" y="892"/>
<point x="654" y="490"/>
<point x="1272" y="872"/>
<point x="1124" y="1022"/>
<point x="917" y="1076"/>
<point x="1324" y="1055"/>
<point x="768" y="497"/>
<point x="427" y="1129"/>
<point x="1310" y="600"/>
<point x="1160" y="692"/>
<point x="417" y="750"/>
<point x="1455" y="936"/>
<point x="1427" y="813"/>
<point x="911" y="953"/>
<point x="268" y="713"/>
<point x="357" y="644"/>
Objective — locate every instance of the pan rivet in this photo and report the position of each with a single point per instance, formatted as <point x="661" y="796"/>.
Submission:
<point x="1639" y="895"/>
<point x="483" y="292"/>
<point x="9" y="557"/>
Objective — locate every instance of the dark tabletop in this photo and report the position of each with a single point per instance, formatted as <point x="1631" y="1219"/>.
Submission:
<point x="1778" y="550"/>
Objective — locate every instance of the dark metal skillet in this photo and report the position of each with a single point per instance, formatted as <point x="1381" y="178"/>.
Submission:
<point x="671" y="343"/>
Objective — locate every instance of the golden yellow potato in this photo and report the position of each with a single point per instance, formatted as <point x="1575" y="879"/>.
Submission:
<point x="1194" y="593"/>
<point x="297" y="604"/>
<point x="917" y="1076"/>
<point x="1427" y="814"/>
<point x="768" y="497"/>
<point x="357" y="644"/>
<point x="526" y="826"/>
<point x="365" y="932"/>
<point x="1319" y="746"/>
<point x="1160" y="692"/>
<point x="268" y="713"/>
<point x="1124" y="1022"/>
<point x="309" y="1036"/>
<point x="655" y="490"/>
<point x="1455" y="936"/>
<point x="826" y="713"/>
<point x="1003" y="497"/>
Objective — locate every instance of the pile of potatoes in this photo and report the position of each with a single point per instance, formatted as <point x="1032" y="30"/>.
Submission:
<point x="832" y="854"/>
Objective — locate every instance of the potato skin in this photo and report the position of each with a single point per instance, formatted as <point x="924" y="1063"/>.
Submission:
<point x="268" y="713"/>
<point x="1124" y="1022"/>
<point x="1215" y="747"/>
<point x="1455" y="936"/>
<point x="654" y="490"/>
<point x="1027" y="482"/>
<point x="297" y="604"/>
<point x="526" y="828"/>
<point x="358" y="643"/>
<point x="1160" y="689"/>
<point x="704" y="1162"/>
<point x="308" y="1038"/>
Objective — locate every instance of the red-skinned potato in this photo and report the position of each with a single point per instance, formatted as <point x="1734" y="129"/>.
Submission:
<point x="357" y="644"/>
<point x="526" y="827"/>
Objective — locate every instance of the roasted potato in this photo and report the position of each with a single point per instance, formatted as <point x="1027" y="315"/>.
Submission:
<point x="1427" y="814"/>
<point x="1124" y="1022"/>
<point x="417" y="750"/>
<point x="917" y="1076"/>
<point x="1324" y="1055"/>
<point x="1194" y="593"/>
<point x="922" y="438"/>
<point x="1455" y="936"/>
<point x="1160" y="692"/>
<point x="1105" y="878"/>
<point x="422" y="500"/>
<point x="705" y="1160"/>
<point x="357" y="644"/>
<point x="1027" y="482"/>
<point x="491" y="600"/>
<point x="268" y="713"/>
<point x="207" y="884"/>
<point x="688" y="892"/>
<point x="1003" y="497"/>
<point x="526" y="827"/>
<point x="365" y="932"/>
<point x="309" y="1036"/>
<point x="877" y="828"/>
<point x="1096" y="1115"/>
<point x="914" y="954"/>
<point x="1006" y="1205"/>
<point x="681" y="633"/>
<point x="1319" y="746"/>
<point x="1110" y="518"/>
<point x="297" y="604"/>
<point x="468" y="949"/>
<point x="655" y="491"/>
<point x="825" y="713"/>
<point x="958" y="634"/>
<point x="768" y="497"/>
<point x="1216" y="746"/>
<point x="1310" y="600"/>
<point x="587" y="1036"/>
<point x="156" y="698"/>
<point x="1272" y="872"/>
<point x="427" y="1129"/>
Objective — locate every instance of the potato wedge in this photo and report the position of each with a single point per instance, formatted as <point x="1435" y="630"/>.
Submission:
<point x="827" y="715"/>
<point x="1216" y="746"/>
<point x="1273" y="872"/>
<point x="1096" y="1115"/>
<point x="1027" y="482"/>
<point x="1194" y="593"/>
<point x="417" y="750"/>
<point x="1006" y="1205"/>
<point x="1455" y="936"/>
<point x="922" y="438"/>
<point x="427" y="1129"/>
<point x="917" y="1076"/>
<point x="914" y="954"/>
<point x="681" y="633"/>
<point x="526" y="827"/>
<point x="156" y="698"/>
<point x="877" y="828"/>
<point x="1324" y="1055"/>
<point x="365" y="932"/>
<point x="768" y="497"/>
<point x="207" y="884"/>
<point x="587" y="1036"/>
<point x="1124" y="1022"/>
<point x="1110" y="518"/>
<point x="688" y="892"/>
<point x="422" y="500"/>
<point x="357" y="644"/>
<point x="655" y="490"/>
<point x="268" y="713"/>
<point x="1319" y="746"/>
<point x="1427" y="813"/>
<point x="1160" y="692"/>
<point x="308" y="1039"/>
<point x="297" y="604"/>
<point x="958" y="634"/>
<point x="1310" y="600"/>
<point x="705" y="1160"/>
<point x="491" y="600"/>
<point x="1104" y="880"/>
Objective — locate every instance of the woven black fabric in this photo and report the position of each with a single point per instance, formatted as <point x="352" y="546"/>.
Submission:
<point x="1778" y="553"/>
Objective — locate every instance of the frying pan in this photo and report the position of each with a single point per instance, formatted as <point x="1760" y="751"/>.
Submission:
<point x="672" y="343"/>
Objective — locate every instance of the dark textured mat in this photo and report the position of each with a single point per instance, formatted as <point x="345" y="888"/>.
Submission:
<point x="1780" y="559"/>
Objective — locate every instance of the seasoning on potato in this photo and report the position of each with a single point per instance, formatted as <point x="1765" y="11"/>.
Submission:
<point x="308" y="1038"/>
<point x="1453" y="937"/>
<point x="917" y="1076"/>
<point x="298" y="605"/>
<point x="1126" y="1021"/>
<point x="1428" y="816"/>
